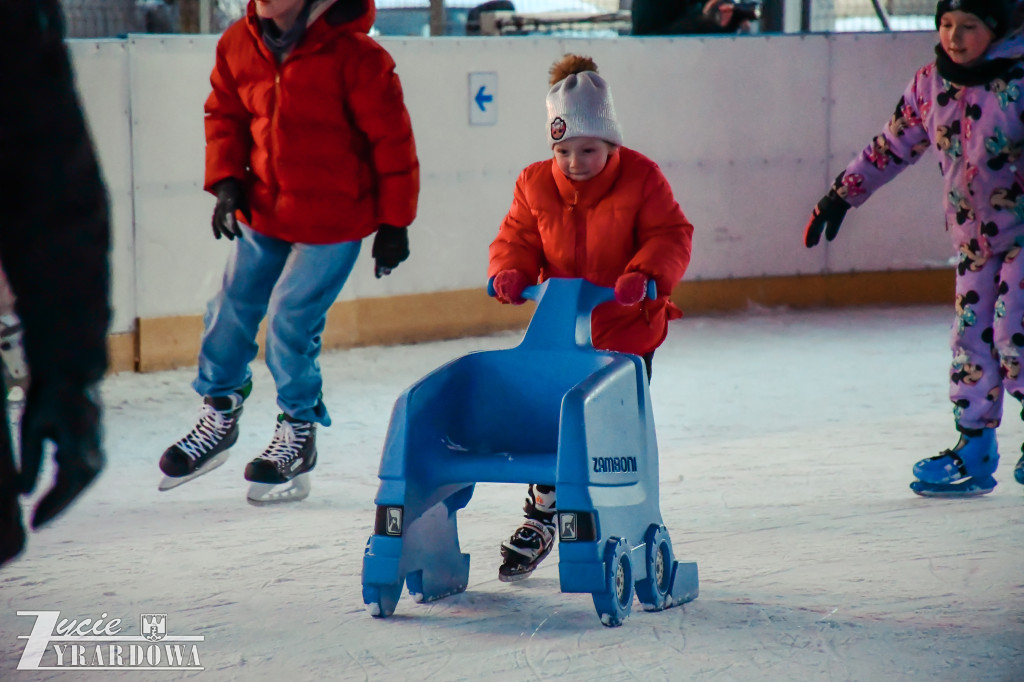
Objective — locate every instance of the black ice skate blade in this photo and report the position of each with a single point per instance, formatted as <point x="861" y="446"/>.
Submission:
<point x="971" y="487"/>
<point x="170" y="482"/>
<point x="264" y="494"/>
<point x="513" y="574"/>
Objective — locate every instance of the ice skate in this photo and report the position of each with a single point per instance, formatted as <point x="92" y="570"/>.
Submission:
<point x="281" y="472"/>
<point x="524" y="551"/>
<point x="964" y="471"/>
<point x="1018" y="471"/>
<point x="533" y="540"/>
<point x="206" y="446"/>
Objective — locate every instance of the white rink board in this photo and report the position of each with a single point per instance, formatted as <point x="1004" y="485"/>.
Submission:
<point x="739" y="137"/>
<point x="749" y="130"/>
<point x="101" y="73"/>
<point x="901" y="227"/>
<point x="180" y="263"/>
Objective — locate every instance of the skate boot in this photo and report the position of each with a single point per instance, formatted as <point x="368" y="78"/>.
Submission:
<point x="1018" y="471"/>
<point x="12" y="355"/>
<point x="206" y="446"/>
<point x="964" y="471"/>
<point x="281" y="472"/>
<point x="533" y="540"/>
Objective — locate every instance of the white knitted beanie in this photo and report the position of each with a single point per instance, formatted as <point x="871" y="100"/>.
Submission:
<point x="580" y="105"/>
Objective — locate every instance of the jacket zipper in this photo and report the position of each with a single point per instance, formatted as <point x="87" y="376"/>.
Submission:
<point x="964" y="122"/>
<point x="580" y="251"/>
<point x="273" y="130"/>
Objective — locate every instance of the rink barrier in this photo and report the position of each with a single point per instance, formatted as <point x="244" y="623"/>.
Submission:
<point x="170" y="342"/>
<point x="746" y="162"/>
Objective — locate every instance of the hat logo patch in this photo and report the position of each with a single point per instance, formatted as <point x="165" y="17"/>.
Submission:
<point x="557" y="128"/>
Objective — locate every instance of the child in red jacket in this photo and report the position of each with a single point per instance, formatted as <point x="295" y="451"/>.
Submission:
<point x="309" y="141"/>
<point x="597" y="211"/>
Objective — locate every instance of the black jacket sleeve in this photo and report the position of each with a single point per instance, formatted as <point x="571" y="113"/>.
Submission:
<point x="54" y="220"/>
<point x="673" y="17"/>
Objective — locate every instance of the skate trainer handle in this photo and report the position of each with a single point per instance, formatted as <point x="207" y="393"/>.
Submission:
<point x="532" y="292"/>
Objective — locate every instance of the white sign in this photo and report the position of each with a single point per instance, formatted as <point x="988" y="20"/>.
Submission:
<point x="483" y="98"/>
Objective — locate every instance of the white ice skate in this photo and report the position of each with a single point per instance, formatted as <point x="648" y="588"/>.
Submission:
<point x="261" y="494"/>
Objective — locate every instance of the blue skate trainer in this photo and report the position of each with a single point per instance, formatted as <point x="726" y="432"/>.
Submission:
<point x="552" y="411"/>
<point x="964" y="471"/>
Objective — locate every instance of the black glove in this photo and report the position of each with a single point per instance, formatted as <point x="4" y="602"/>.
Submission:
<point x="12" y="533"/>
<point x="230" y="198"/>
<point x="68" y="415"/>
<point x="390" y="247"/>
<point x="827" y="216"/>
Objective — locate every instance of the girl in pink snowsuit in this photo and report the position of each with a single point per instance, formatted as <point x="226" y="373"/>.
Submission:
<point x="968" y="105"/>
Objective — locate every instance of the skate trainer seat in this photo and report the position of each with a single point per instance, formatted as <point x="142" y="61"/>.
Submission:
<point x="552" y="410"/>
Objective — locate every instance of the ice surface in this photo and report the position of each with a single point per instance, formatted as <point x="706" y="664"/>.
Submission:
<point x="786" y="438"/>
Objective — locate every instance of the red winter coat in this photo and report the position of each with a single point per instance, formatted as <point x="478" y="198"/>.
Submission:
<point x="623" y="220"/>
<point x="322" y="141"/>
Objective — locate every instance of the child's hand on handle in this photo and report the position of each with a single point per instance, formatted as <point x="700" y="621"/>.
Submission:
<point x="826" y="217"/>
<point x="390" y="247"/>
<point x="509" y="285"/>
<point x="630" y="288"/>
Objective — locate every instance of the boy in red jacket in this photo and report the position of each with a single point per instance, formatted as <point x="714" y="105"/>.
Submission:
<point x="602" y="212"/>
<point x="307" y="139"/>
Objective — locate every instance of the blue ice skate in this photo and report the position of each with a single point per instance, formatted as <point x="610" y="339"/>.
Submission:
<point x="552" y="411"/>
<point x="964" y="471"/>
<point x="1018" y="471"/>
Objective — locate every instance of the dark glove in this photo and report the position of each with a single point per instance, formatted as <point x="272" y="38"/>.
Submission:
<point x="630" y="288"/>
<point x="827" y="216"/>
<point x="390" y="247"/>
<point x="230" y="198"/>
<point x="68" y="416"/>
<point x="509" y="286"/>
<point x="12" y="533"/>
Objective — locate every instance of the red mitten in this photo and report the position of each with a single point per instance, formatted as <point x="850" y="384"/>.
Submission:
<point x="509" y="285"/>
<point x="630" y="288"/>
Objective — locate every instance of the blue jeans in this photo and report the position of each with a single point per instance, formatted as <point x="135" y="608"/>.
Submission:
<point x="293" y="285"/>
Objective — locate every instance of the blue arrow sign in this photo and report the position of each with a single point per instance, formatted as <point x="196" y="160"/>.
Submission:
<point x="481" y="99"/>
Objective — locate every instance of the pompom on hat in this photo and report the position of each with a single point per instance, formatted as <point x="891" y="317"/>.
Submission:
<point x="580" y="103"/>
<point x="996" y="14"/>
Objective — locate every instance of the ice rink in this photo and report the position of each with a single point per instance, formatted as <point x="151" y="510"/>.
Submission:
<point x="786" y="441"/>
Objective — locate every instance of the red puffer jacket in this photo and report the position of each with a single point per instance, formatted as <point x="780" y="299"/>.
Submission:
<point x="322" y="141"/>
<point x="623" y="220"/>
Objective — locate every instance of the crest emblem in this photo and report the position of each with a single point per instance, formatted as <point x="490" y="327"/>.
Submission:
<point x="557" y="128"/>
<point x="154" y="626"/>
<point x="394" y="522"/>
<point x="567" y="526"/>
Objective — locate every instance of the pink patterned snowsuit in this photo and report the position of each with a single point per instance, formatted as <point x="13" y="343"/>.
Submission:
<point x="978" y="134"/>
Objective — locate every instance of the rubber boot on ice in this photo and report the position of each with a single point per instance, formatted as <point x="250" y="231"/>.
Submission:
<point x="964" y="471"/>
